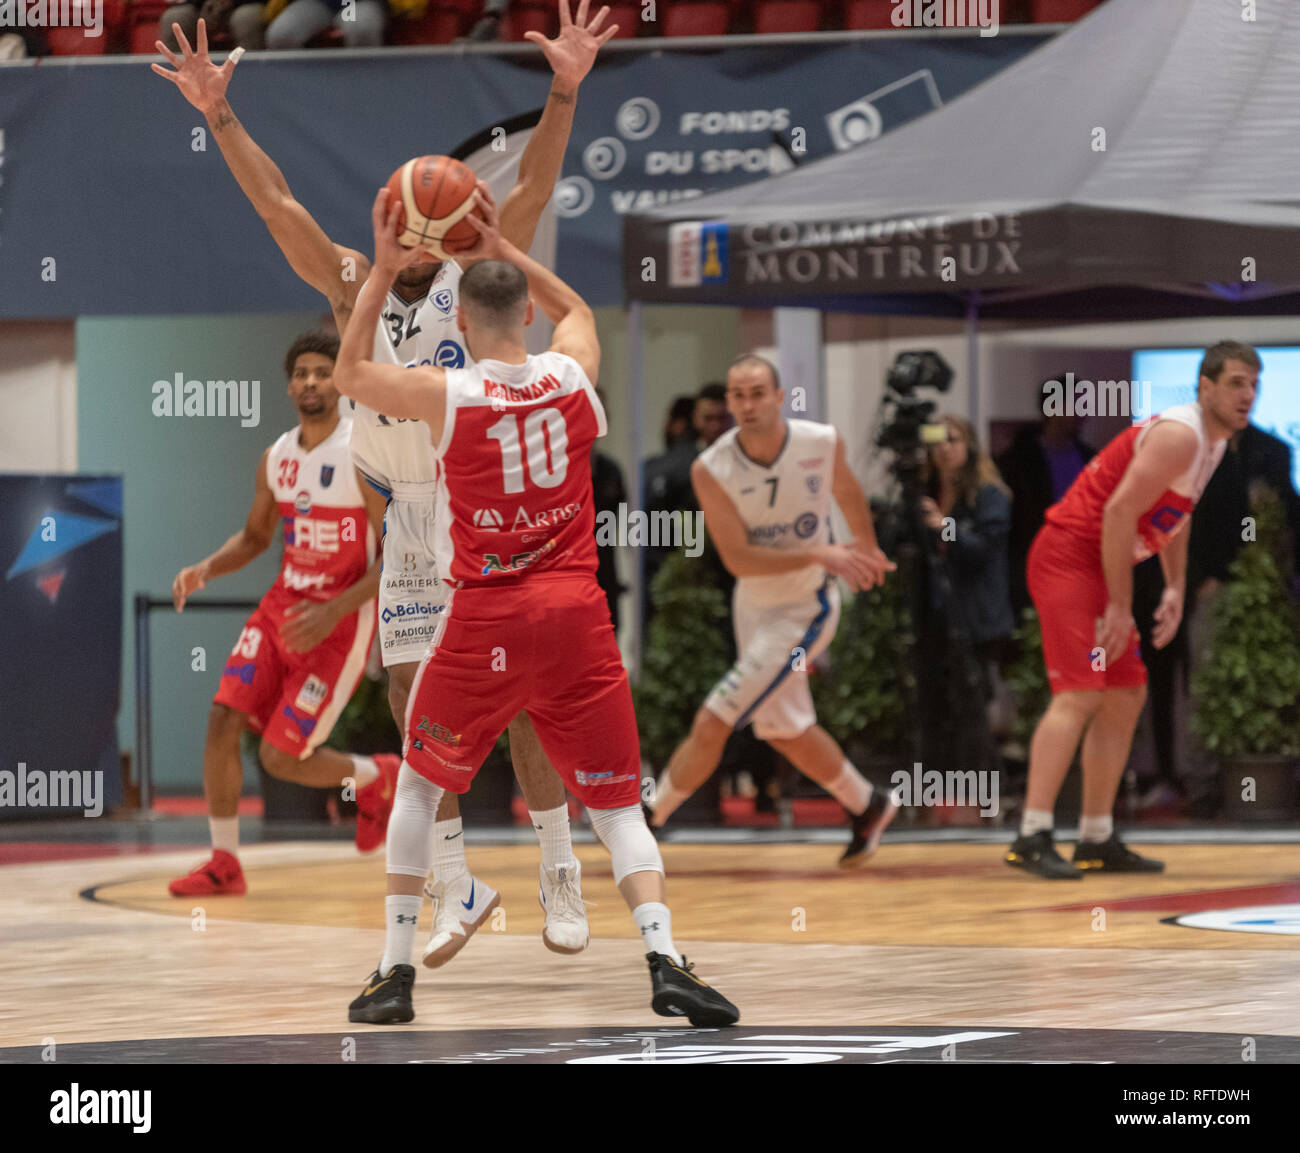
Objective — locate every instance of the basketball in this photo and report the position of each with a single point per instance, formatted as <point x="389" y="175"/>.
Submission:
<point x="436" y="194"/>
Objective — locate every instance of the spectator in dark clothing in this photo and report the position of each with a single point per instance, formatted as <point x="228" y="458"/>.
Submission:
<point x="1039" y="466"/>
<point x="668" y="477"/>
<point x="1253" y="457"/>
<point x="679" y="424"/>
<point x="968" y="506"/>
<point x="608" y="492"/>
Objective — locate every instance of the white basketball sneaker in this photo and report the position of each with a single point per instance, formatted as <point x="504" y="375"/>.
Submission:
<point x="560" y="895"/>
<point x="459" y="908"/>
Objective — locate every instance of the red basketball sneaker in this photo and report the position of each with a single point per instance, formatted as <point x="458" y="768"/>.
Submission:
<point x="219" y="875"/>
<point x="375" y="802"/>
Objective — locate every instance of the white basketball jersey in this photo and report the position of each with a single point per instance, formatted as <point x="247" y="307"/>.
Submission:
<point x="786" y="504"/>
<point x="391" y="450"/>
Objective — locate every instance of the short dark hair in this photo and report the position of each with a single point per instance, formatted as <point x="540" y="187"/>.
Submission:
<point x="324" y="343"/>
<point x="681" y="409"/>
<point x="495" y="290"/>
<point x="762" y="362"/>
<point x="1218" y="355"/>
<point x="714" y="390"/>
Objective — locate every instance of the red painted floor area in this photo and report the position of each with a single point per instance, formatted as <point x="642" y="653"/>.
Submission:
<point x="198" y="807"/>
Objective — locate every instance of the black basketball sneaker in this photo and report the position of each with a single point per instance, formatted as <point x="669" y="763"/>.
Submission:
<point x="1113" y="856"/>
<point x="679" y="993"/>
<point x="385" y="1000"/>
<point x="868" y="826"/>
<point x="1036" y="854"/>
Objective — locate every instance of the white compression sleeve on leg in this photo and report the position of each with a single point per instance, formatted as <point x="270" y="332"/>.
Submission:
<point x="410" y="827"/>
<point x="632" y="847"/>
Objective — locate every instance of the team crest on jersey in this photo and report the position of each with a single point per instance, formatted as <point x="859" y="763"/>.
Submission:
<point x="442" y="300"/>
<point x="312" y="695"/>
<point x="449" y="354"/>
<point x="302" y="502"/>
<point x="326" y="475"/>
<point x="814" y="484"/>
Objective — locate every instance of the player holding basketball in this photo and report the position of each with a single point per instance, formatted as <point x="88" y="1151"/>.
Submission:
<point x="416" y="325"/>
<point x="526" y="625"/>
<point x="300" y="655"/>
<point x="1133" y="500"/>
<point x="765" y="488"/>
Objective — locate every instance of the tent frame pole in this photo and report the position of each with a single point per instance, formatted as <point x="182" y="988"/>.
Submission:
<point x="636" y="475"/>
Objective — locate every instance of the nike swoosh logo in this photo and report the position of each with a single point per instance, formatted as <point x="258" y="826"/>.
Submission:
<point x="470" y="903"/>
<point x="377" y="985"/>
<point x="451" y="836"/>
<point x="537" y="826"/>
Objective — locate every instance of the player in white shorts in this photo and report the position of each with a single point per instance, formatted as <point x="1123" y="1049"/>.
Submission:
<point x="766" y="489"/>
<point x="418" y="325"/>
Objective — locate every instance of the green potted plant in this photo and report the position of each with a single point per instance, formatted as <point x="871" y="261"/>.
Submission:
<point x="688" y="648"/>
<point x="859" y="700"/>
<point x="1246" y="696"/>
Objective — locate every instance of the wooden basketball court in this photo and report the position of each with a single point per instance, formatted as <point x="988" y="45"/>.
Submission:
<point x="939" y="938"/>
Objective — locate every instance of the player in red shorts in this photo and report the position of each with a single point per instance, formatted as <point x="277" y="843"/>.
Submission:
<point x="300" y="655"/>
<point x="526" y="625"/>
<point x="1133" y="500"/>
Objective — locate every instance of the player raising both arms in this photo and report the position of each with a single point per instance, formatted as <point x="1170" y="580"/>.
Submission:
<point x="766" y="489"/>
<point x="416" y="325"/>
<point x="300" y="655"/>
<point x="526" y="625"/>
<point x="1134" y="499"/>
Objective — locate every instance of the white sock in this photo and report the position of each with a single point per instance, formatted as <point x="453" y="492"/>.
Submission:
<point x="850" y="788"/>
<point x="1035" y="821"/>
<point x="448" y="851"/>
<point x="364" y="770"/>
<point x="668" y="798"/>
<point x="224" y="832"/>
<point x="1094" y="829"/>
<point x="552" y="829"/>
<point x="656" y="925"/>
<point x="401" y="917"/>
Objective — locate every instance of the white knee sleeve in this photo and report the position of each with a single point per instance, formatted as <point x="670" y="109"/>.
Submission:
<point x="410" y="827"/>
<point x="632" y="847"/>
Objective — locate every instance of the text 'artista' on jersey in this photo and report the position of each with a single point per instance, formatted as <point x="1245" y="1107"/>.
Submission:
<point x="515" y="496"/>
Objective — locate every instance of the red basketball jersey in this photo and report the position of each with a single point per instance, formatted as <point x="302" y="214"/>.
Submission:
<point x="1080" y="510"/>
<point x="328" y="542"/>
<point x="516" y="497"/>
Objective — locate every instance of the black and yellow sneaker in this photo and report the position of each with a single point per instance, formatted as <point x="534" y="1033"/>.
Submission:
<point x="1113" y="856"/>
<point x="679" y="993"/>
<point x="1036" y="854"/>
<point x="867" y="828"/>
<point x="385" y="1000"/>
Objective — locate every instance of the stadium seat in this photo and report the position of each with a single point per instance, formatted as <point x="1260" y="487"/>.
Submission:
<point x="142" y="18"/>
<point x="440" y="25"/>
<point x="626" y="16"/>
<point x="1061" y="11"/>
<point x="692" y="19"/>
<point x="863" y="14"/>
<point x="788" y="16"/>
<point x="521" y="18"/>
<point x="72" y="42"/>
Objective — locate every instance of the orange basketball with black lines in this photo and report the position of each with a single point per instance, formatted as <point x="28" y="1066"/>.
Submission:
<point x="436" y="194"/>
